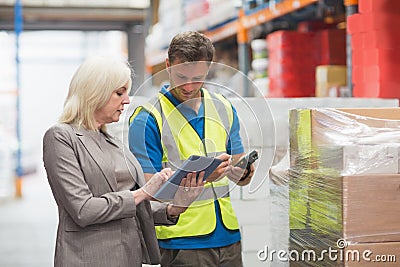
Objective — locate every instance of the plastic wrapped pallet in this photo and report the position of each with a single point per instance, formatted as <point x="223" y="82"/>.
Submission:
<point x="343" y="184"/>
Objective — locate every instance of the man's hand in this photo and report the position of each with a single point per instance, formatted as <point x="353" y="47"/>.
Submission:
<point x="236" y="174"/>
<point x="222" y="169"/>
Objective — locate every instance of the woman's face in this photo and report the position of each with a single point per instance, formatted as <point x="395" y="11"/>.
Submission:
<point x="111" y="111"/>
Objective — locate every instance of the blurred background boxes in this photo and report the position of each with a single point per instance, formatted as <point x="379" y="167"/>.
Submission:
<point x="330" y="78"/>
<point x="374" y="48"/>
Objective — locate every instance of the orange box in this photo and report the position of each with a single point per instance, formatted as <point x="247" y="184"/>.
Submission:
<point x="379" y="21"/>
<point x="357" y="41"/>
<point x="384" y="6"/>
<point x="376" y="89"/>
<point x="384" y="38"/>
<point x="383" y="72"/>
<point x="360" y="89"/>
<point x="381" y="89"/>
<point x="379" y="56"/>
<point x="354" y="24"/>
<point x="358" y="74"/>
<point x="357" y="57"/>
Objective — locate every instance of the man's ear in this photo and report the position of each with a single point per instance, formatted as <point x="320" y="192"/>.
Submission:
<point x="167" y="66"/>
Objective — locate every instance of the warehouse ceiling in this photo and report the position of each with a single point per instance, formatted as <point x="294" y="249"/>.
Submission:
<point x="75" y="14"/>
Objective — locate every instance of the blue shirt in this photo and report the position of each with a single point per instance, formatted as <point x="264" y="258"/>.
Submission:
<point x="144" y="142"/>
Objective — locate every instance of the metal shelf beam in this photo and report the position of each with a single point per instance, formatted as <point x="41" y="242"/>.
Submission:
<point x="243" y="24"/>
<point x="69" y="18"/>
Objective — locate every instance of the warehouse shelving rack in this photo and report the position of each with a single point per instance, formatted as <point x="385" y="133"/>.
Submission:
<point x="241" y="27"/>
<point x="291" y="10"/>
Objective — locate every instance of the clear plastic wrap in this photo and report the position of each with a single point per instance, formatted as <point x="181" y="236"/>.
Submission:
<point x="341" y="187"/>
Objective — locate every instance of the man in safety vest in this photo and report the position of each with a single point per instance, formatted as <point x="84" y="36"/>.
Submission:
<point x="186" y="119"/>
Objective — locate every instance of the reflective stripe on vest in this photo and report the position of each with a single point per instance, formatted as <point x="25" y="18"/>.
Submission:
<point x="179" y="141"/>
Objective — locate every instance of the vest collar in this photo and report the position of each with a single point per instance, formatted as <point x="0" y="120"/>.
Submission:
<point x="164" y="90"/>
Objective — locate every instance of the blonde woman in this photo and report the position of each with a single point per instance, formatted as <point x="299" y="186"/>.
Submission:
<point x="106" y="217"/>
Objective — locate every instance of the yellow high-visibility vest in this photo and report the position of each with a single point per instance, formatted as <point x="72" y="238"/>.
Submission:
<point x="179" y="141"/>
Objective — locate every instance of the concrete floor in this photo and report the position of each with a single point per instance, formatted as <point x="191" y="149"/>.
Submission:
<point x="28" y="225"/>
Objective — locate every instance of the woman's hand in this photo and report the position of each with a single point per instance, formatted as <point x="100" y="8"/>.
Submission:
<point x="152" y="186"/>
<point x="189" y="189"/>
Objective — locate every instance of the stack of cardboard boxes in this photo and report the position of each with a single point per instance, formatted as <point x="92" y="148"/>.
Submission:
<point x="344" y="186"/>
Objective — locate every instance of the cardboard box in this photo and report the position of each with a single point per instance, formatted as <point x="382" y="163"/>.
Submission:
<point x="329" y="76"/>
<point x="360" y="159"/>
<point x="355" y="126"/>
<point x="359" y="208"/>
<point x="312" y="128"/>
<point x="371" y="212"/>
<point x="371" y="114"/>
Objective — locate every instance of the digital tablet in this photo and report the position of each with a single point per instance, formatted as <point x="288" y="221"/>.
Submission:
<point x="193" y="164"/>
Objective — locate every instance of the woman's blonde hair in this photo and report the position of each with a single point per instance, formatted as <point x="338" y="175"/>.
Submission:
<point x="91" y="87"/>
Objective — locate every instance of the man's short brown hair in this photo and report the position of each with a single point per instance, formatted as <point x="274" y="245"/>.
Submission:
<point x="190" y="46"/>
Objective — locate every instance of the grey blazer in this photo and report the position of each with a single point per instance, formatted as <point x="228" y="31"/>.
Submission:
<point x="98" y="225"/>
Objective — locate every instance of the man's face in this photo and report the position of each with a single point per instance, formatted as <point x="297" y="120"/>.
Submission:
<point x="187" y="79"/>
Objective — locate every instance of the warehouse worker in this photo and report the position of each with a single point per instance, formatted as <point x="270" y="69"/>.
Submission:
<point x="186" y="119"/>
